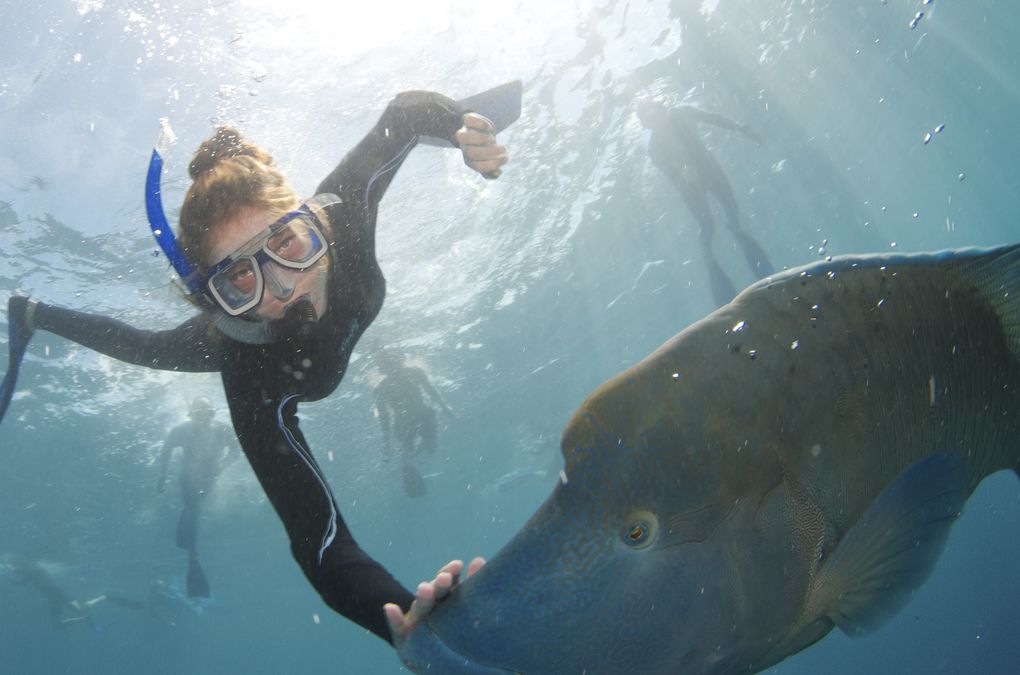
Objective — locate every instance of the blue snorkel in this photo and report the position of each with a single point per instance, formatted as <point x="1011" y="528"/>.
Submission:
<point x="157" y="218"/>
<point x="251" y="332"/>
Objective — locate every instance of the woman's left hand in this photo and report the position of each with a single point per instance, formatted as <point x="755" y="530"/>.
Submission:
<point x="428" y="595"/>
<point x="477" y="141"/>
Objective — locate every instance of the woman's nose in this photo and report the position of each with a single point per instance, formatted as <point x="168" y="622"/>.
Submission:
<point x="279" y="282"/>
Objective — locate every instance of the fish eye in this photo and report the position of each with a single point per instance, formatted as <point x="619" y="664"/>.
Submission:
<point x="640" y="530"/>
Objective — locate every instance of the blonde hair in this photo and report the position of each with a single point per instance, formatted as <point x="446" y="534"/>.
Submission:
<point x="228" y="174"/>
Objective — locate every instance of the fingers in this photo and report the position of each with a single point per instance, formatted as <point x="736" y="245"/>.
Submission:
<point x="395" y="620"/>
<point x="453" y="569"/>
<point x="475" y="565"/>
<point x="428" y="594"/>
<point x="477" y="141"/>
<point x="424" y="602"/>
<point x="479" y="122"/>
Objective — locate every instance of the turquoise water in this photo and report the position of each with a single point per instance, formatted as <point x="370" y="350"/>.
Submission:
<point x="519" y="295"/>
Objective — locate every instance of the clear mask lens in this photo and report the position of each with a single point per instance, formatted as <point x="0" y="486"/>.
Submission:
<point x="239" y="285"/>
<point x="297" y="242"/>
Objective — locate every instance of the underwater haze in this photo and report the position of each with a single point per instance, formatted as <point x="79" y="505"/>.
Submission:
<point x="885" y="125"/>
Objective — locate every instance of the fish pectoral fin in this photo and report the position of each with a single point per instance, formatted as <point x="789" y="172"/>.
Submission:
<point x="893" y="548"/>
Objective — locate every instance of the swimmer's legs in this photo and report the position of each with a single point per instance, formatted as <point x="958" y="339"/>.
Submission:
<point x="414" y="484"/>
<point x="696" y="197"/>
<point x="427" y="432"/>
<point x="187" y="538"/>
<point x="755" y="256"/>
<point x="187" y="529"/>
<point x="722" y="288"/>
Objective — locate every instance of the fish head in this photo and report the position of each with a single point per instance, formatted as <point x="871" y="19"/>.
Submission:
<point x="651" y="555"/>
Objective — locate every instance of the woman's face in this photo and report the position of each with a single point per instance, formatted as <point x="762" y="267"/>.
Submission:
<point x="247" y="224"/>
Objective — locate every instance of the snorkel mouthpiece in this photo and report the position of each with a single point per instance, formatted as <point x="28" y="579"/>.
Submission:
<point x="298" y="322"/>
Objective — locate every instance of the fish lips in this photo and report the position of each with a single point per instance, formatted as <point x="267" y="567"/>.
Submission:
<point x="424" y="651"/>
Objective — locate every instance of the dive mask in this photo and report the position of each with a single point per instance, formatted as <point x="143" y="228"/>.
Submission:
<point x="293" y="242"/>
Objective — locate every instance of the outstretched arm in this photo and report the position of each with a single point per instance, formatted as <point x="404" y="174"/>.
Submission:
<point x="423" y="381"/>
<point x="229" y="446"/>
<point x="363" y="176"/>
<point x="699" y="115"/>
<point x="189" y="347"/>
<point x="349" y="581"/>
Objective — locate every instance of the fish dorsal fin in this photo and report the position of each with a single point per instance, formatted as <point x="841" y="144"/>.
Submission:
<point x="997" y="275"/>
<point x="893" y="548"/>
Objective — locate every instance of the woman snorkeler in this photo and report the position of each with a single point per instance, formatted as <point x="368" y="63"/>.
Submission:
<point x="286" y="288"/>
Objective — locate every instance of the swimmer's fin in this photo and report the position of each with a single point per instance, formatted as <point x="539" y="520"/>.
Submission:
<point x="198" y="585"/>
<point x="500" y="104"/>
<point x="19" y="335"/>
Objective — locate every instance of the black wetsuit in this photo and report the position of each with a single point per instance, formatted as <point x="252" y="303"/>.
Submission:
<point x="264" y="383"/>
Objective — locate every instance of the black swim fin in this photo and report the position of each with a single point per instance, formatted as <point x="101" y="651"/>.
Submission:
<point x="198" y="585"/>
<point x="19" y="335"/>
<point x="502" y="105"/>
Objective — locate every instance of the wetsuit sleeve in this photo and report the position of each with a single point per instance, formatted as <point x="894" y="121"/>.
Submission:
<point x="189" y="347"/>
<point x="349" y="581"/>
<point x="364" y="174"/>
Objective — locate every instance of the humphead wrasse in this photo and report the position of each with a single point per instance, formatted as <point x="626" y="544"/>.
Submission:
<point x="791" y="463"/>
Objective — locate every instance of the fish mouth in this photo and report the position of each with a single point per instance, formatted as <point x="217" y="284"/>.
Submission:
<point x="424" y="651"/>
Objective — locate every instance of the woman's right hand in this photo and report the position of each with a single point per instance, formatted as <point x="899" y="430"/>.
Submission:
<point x="428" y="595"/>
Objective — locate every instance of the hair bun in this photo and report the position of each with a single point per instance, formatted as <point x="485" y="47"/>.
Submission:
<point x="226" y="143"/>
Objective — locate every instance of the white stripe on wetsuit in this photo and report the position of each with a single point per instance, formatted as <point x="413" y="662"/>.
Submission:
<point x="306" y="457"/>
<point x="389" y="166"/>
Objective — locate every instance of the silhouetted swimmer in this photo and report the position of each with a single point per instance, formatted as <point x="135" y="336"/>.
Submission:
<point x="677" y="150"/>
<point x="207" y="448"/>
<point x="64" y="610"/>
<point x="405" y="414"/>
